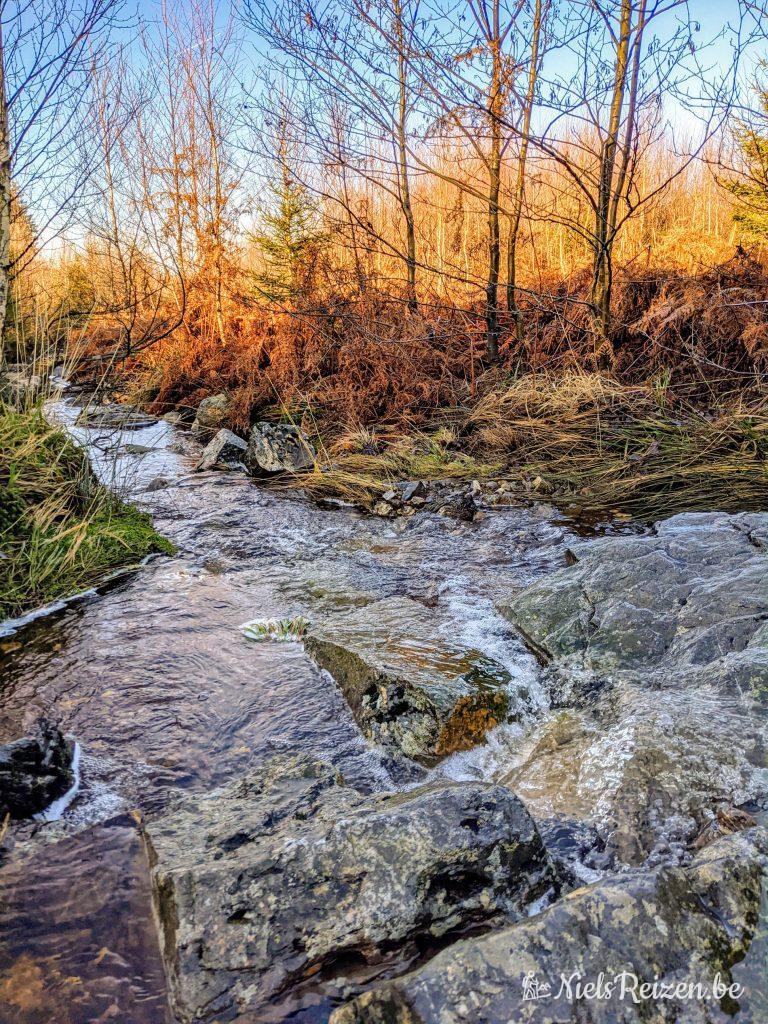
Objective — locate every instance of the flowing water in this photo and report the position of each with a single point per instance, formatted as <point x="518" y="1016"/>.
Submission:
<point x="163" y="693"/>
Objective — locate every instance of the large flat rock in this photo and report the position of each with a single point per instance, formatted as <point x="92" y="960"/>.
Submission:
<point x="659" y="646"/>
<point x="690" y="926"/>
<point x="407" y="684"/>
<point x="289" y="888"/>
<point x="694" y="590"/>
<point x="79" y="942"/>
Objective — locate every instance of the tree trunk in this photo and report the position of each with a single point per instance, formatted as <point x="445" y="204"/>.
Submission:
<point x="603" y="243"/>
<point x="405" y="189"/>
<point x="495" y="99"/>
<point x="517" y="205"/>
<point x="5" y="202"/>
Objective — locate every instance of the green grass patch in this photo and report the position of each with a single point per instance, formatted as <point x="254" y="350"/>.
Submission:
<point x="60" y="530"/>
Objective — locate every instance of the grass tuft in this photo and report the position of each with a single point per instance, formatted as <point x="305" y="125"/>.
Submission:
<point x="60" y="530"/>
<point x="281" y="630"/>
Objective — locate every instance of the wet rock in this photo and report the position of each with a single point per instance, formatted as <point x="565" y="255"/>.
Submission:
<point x="407" y="684"/>
<point x="660" y="644"/>
<point x="34" y="771"/>
<point x="78" y="936"/>
<point x="158" y="484"/>
<point x="289" y="881"/>
<point x="212" y="414"/>
<point x="462" y="507"/>
<point x="676" y="925"/>
<point x="137" y="449"/>
<point x="695" y="589"/>
<point x="278" y="448"/>
<point x="114" y="416"/>
<point x="415" y="489"/>
<point x="225" y="451"/>
<point x="18" y="384"/>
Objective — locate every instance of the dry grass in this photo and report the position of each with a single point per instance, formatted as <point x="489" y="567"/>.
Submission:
<point x="363" y="478"/>
<point x="642" y="450"/>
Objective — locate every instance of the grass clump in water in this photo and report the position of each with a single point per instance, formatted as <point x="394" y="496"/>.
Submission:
<point x="60" y="530"/>
<point x="281" y="630"/>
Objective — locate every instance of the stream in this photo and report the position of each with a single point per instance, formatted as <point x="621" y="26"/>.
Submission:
<point x="166" y="699"/>
<point x="154" y="679"/>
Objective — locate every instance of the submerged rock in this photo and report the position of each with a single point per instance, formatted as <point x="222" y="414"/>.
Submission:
<point x="114" y="416"/>
<point x="407" y="685"/>
<point x="278" y="448"/>
<point x="660" y="644"/>
<point x="34" y="771"/>
<point x="212" y="414"/>
<point x="289" y="882"/>
<point x="225" y="451"/>
<point x="674" y="926"/>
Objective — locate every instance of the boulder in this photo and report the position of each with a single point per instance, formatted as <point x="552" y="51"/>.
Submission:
<point x="34" y="771"/>
<point x="415" y="489"/>
<point x="278" y="448"/>
<point x="460" y="506"/>
<point x="225" y="451"/>
<point x="212" y="414"/>
<point x="693" y="590"/>
<point x="659" y="645"/>
<point x="408" y="685"/>
<point x="114" y="416"/>
<point x="289" y="886"/>
<point x="676" y="926"/>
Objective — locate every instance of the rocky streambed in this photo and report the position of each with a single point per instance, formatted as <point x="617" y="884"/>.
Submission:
<point x="465" y="771"/>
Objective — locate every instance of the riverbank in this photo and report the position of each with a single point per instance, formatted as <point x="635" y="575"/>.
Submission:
<point x="593" y="447"/>
<point x="60" y="530"/>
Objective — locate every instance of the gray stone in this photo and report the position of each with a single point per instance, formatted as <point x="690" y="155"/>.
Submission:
<point x="19" y="384"/>
<point x="212" y="414"/>
<point x="674" y="925"/>
<point x="415" y="489"/>
<point x="137" y="449"/>
<point x="408" y="685"/>
<point x="114" y="416"/>
<point x="289" y="880"/>
<point x="34" y="771"/>
<point x="458" y="506"/>
<point x="278" y="448"/>
<point x="225" y="451"/>
<point x="659" y="644"/>
<point x="158" y="484"/>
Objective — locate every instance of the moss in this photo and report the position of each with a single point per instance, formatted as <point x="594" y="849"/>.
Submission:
<point x="60" y="530"/>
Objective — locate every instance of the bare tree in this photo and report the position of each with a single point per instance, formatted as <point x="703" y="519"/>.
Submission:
<point x="633" y="58"/>
<point x="48" y="52"/>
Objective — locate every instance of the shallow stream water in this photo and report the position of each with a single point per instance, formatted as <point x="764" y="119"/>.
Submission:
<point x="163" y="693"/>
